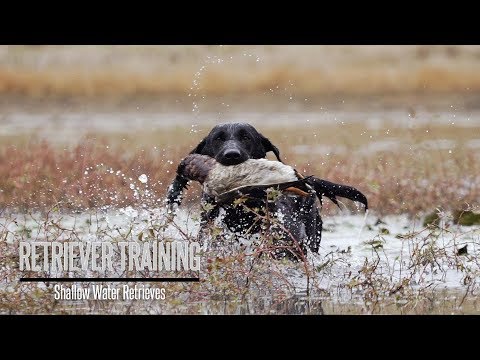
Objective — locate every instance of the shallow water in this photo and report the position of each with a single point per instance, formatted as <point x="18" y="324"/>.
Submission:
<point x="348" y="242"/>
<point x="309" y="127"/>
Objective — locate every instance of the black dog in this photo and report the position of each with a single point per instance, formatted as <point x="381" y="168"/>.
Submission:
<point x="234" y="143"/>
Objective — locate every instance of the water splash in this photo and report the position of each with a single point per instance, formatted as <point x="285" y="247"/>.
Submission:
<point x="362" y="225"/>
<point x="210" y="62"/>
<point x="143" y="179"/>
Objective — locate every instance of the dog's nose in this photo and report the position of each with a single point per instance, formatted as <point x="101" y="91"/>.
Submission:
<point x="232" y="154"/>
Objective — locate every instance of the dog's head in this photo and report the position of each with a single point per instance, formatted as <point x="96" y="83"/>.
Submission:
<point x="234" y="143"/>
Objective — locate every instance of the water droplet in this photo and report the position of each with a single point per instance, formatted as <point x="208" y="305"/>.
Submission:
<point x="143" y="178"/>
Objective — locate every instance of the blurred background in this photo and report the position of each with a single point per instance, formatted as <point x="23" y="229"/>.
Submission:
<point x="399" y="122"/>
<point x="92" y="71"/>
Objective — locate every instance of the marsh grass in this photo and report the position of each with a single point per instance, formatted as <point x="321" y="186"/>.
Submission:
<point x="246" y="279"/>
<point x="96" y="173"/>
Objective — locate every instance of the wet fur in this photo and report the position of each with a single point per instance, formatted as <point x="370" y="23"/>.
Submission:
<point x="301" y="215"/>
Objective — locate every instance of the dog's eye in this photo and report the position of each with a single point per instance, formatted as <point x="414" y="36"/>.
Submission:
<point x="220" y="137"/>
<point x="245" y="138"/>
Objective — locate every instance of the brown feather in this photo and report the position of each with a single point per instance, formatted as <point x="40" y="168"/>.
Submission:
<point x="196" y="167"/>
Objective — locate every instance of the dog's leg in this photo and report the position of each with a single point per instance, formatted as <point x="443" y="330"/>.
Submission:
<point x="314" y="230"/>
<point x="175" y="190"/>
<point x="313" y="223"/>
<point x="292" y="221"/>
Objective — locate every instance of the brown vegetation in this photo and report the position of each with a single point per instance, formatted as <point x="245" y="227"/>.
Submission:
<point x="95" y="174"/>
<point x="94" y="71"/>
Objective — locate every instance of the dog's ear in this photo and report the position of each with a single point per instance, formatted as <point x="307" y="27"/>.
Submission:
<point x="199" y="148"/>
<point x="268" y="146"/>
